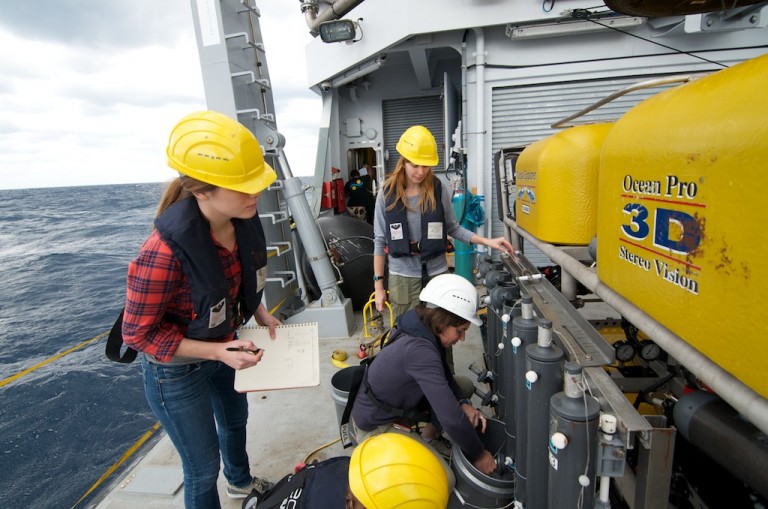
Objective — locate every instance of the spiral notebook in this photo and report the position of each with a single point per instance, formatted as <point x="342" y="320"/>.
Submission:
<point x="291" y="360"/>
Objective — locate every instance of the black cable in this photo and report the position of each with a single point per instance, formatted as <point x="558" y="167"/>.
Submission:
<point x="612" y="59"/>
<point x="361" y="255"/>
<point x="358" y="25"/>
<point x="630" y="331"/>
<point x="641" y="394"/>
<point x="584" y="14"/>
<point x="544" y="5"/>
<point x="349" y="237"/>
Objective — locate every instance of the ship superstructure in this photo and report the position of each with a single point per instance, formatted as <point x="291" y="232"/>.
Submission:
<point x="610" y="144"/>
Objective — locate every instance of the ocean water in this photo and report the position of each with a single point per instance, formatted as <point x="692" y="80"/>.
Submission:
<point x="63" y="259"/>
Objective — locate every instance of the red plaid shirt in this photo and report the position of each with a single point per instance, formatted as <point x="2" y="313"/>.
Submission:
<point x="157" y="285"/>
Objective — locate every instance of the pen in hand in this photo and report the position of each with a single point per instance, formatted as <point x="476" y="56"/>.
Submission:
<point x="239" y="349"/>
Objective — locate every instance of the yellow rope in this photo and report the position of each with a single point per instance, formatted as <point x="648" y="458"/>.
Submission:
<point x="77" y="347"/>
<point x="123" y="459"/>
<point x="50" y="360"/>
<point x="146" y="436"/>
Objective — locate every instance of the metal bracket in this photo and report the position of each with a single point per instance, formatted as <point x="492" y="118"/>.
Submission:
<point x="281" y="214"/>
<point x="263" y="82"/>
<point x="256" y="111"/>
<point x="268" y="136"/>
<point x="248" y="42"/>
<point x="283" y="281"/>
<point x="611" y="456"/>
<point x="580" y="341"/>
<point x="735" y="19"/>
<point x="249" y="8"/>
<point x="614" y="402"/>
<point x="245" y="73"/>
<point x="647" y="485"/>
<point x="286" y="248"/>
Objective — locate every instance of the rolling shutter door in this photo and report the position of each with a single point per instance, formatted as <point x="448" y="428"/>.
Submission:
<point x="400" y="114"/>
<point x="523" y="114"/>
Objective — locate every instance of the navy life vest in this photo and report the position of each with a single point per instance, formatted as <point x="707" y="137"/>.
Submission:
<point x="399" y="242"/>
<point x="188" y="234"/>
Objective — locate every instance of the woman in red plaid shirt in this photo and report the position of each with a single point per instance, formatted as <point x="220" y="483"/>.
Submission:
<point x="197" y="278"/>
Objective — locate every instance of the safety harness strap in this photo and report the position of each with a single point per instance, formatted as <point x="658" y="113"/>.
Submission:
<point x="357" y="378"/>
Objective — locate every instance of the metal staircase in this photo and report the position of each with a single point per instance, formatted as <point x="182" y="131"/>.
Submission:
<point x="236" y="82"/>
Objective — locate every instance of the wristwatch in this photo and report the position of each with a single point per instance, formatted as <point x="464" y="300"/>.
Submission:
<point x="377" y="278"/>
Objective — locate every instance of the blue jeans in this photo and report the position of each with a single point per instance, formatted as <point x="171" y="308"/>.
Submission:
<point x="192" y="401"/>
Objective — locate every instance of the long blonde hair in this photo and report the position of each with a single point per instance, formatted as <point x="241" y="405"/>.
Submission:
<point x="180" y="188"/>
<point x="396" y="183"/>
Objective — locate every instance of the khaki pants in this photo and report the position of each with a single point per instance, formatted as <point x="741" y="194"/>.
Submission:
<point x="403" y="293"/>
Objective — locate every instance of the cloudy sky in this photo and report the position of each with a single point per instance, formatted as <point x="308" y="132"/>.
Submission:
<point x="89" y="90"/>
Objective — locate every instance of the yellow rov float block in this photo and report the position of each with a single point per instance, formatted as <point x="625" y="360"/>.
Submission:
<point x="556" y="182"/>
<point x="682" y="194"/>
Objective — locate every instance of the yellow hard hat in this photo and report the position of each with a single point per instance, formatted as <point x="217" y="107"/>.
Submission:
<point x="213" y="148"/>
<point x="418" y="146"/>
<point x="394" y="471"/>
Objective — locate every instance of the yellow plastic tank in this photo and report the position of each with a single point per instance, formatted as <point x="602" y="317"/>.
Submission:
<point x="682" y="198"/>
<point x="556" y="182"/>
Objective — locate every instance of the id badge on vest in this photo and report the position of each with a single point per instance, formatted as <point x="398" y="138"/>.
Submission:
<point x="435" y="230"/>
<point x="261" y="278"/>
<point x="396" y="231"/>
<point x="218" y="314"/>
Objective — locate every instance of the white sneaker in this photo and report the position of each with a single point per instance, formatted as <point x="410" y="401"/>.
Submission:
<point x="257" y="483"/>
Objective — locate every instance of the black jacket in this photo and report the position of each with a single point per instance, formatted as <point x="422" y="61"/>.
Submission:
<point x="323" y="485"/>
<point x="409" y="368"/>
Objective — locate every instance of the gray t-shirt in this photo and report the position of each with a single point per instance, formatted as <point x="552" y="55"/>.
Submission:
<point x="410" y="266"/>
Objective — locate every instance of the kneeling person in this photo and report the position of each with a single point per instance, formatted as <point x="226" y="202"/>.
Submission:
<point x="410" y="379"/>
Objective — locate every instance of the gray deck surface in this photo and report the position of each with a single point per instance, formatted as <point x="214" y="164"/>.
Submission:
<point x="283" y="428"/>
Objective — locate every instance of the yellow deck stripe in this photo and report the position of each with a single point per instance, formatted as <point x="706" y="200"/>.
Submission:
<point x="50" y="360"/>
<point x="135" y="447"/>
<point x="146" y="436"/>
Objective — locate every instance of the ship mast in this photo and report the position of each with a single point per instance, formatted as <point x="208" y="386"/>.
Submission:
<point x="236" y="82"/>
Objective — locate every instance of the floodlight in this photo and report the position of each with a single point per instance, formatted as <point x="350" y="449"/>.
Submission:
<point x="338" y="30"/>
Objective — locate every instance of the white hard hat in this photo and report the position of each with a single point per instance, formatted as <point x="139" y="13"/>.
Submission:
<point x="452" y="293"/>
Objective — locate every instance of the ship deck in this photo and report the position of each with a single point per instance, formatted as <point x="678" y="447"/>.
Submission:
<point x="284" y="428"/>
